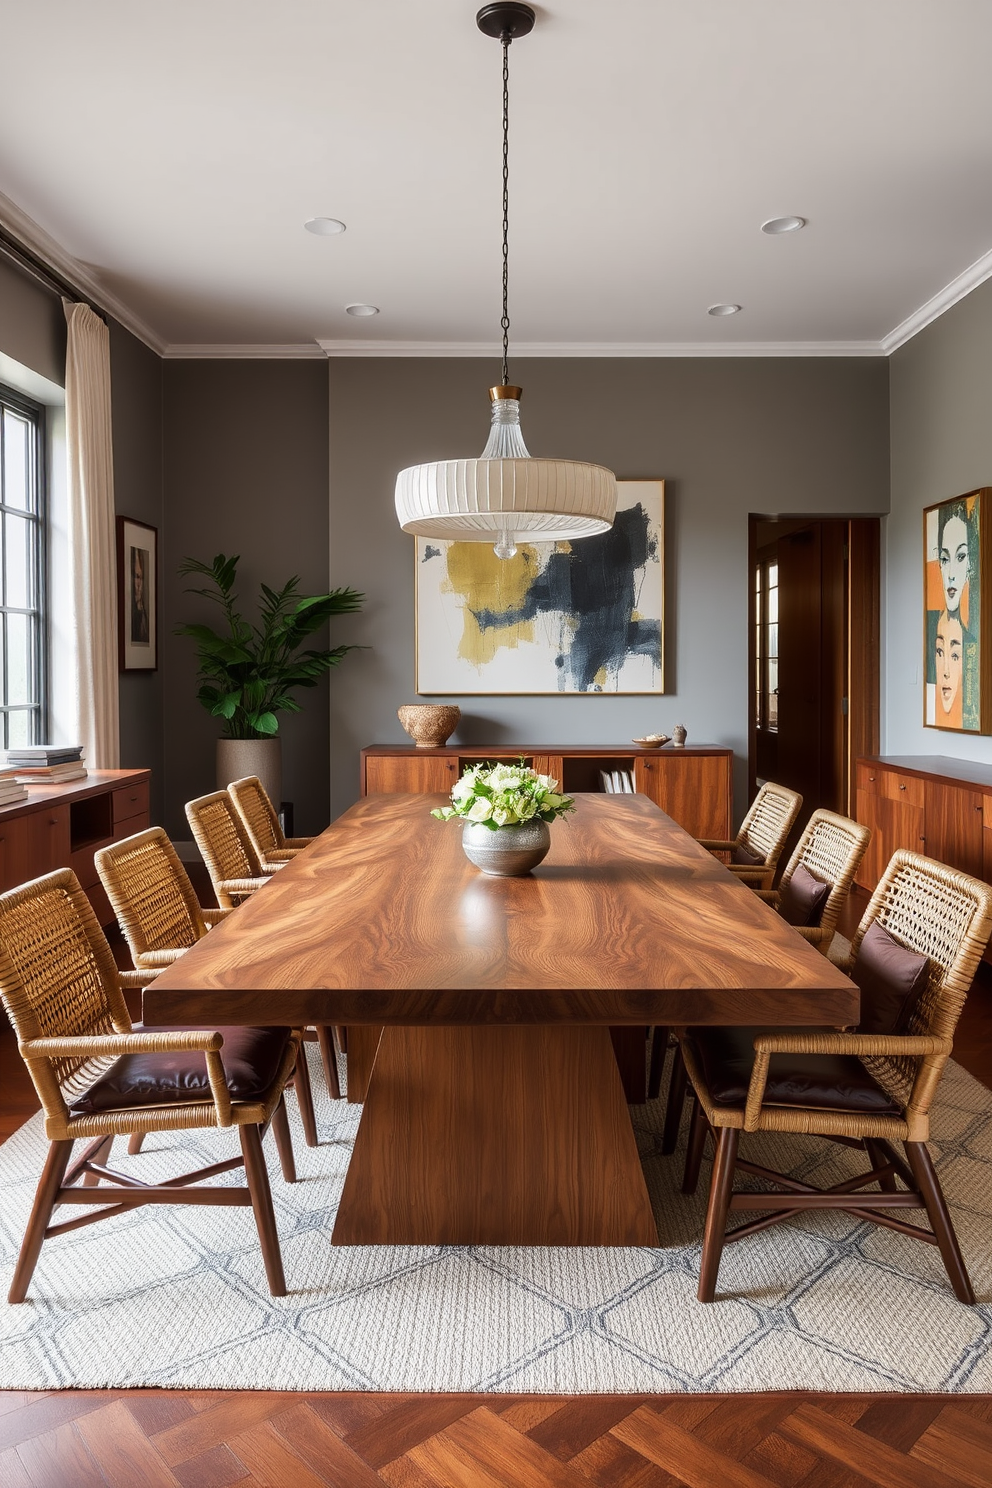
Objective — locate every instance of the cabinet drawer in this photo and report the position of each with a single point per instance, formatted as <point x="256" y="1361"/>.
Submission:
<point x="131" y="801"/>
<point x="868" y="779"/>
<point x="902" y="787"/>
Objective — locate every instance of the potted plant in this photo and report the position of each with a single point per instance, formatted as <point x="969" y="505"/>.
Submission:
<point x="247" y="673"/>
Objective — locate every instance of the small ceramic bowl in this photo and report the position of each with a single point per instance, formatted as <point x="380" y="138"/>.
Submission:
<point x="652" y="741"/>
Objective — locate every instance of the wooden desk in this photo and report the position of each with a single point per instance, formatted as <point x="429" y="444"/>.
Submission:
<point x="495" y="1113"/>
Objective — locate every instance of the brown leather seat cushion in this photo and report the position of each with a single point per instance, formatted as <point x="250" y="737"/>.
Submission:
<point x="832" y="1082"/>
<point x="252" y="1059"/>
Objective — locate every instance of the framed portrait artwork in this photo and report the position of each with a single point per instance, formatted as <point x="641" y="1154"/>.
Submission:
<point x="568" y="617"/>
<point x="957" y="647"/>
<point x="137" y="595"/>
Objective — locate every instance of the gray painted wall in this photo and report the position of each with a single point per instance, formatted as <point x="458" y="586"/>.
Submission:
<point x="941" y="446"/>
<point x="136" y="389"/>
<point x="32" y="324"/>
<point x="245" y="472"/>
<point x="730" y="437"/>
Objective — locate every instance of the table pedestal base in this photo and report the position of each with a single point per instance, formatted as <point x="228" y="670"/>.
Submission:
<point x="498" y="1135"/>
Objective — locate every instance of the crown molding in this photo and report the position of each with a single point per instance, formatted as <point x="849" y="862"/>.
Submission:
<point x="246" y="351"/>
<point x="973" y="276"/>
<point x="44" y="247"/>
<point x="527" y="349"/>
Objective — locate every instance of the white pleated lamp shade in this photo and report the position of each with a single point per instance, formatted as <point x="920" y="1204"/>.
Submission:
<point x="506" y="491"/>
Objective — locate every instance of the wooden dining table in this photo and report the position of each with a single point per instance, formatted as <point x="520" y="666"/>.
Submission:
<point x="495" y="1112"/>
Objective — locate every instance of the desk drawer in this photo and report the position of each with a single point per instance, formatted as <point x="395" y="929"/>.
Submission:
<point x="131" y="801"/>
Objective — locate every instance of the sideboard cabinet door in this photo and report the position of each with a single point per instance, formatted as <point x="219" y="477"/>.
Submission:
<point x="48" y="839"/>
<point x="14" y="853"/>
<point x="954" y="826"/>
<point x="693" y="789"/>
<point x="410" y="772"/>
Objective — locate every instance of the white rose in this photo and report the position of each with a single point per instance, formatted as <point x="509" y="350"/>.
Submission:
<point x="480" y="810"/>
<point x="503" y="816"/>
<point x="462" y="789"/>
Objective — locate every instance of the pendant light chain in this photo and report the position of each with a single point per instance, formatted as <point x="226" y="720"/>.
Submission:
<point x="505" y="322"/>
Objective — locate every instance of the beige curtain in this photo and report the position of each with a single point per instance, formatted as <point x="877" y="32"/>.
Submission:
<point x="91" y="572"/>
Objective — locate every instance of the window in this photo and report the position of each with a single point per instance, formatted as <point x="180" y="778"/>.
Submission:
<point x="22" y="621"/>
<point x="766" y="645"/>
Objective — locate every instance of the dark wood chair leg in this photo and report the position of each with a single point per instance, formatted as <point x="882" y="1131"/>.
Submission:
<point x="44" y="1201"/>
<point x="284" y="1142"/>
<point x="940" y="1220"/>
<point x="659" y="1047"/>
<point x="721" y="1187"/>
<point x="102" y="1153"/>
<point x="261" y="1202"/>
<point x="697" y="1141"/>
<point x="326" y="1041"/>
<point x="304" y="1097"/>
<point x="676" y="1100"/>
<point x="878" y="1157"/>
<point x="341" y="1034"/>
<point x="134" y="1143"/>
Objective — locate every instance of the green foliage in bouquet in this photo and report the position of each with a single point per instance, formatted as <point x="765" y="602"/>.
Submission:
<point x="505" y="796"/>
<point x="247" y="672"/>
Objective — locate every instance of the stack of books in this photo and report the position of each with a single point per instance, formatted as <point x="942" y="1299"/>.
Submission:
<point x="617" y="782"/>
<point x="46" y="764"/>
<point x="11" y="789"/>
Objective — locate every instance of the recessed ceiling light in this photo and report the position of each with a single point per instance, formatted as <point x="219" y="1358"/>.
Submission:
<point x="723" y="310"/>
<point x="776" y="225"/>
<point x="325" y="227"/>
<point x="361" y="309"/>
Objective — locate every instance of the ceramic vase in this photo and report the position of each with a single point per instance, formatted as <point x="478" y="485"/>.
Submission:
<point x="507" y="852"/>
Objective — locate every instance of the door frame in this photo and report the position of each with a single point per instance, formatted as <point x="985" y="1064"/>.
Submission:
<point x="863" y="665"/>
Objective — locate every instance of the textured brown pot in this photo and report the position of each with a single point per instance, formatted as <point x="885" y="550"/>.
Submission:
<point x="429" y="724"/>
<point x="237" y="758"/>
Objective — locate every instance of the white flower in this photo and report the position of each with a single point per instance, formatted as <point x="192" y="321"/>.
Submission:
<point x="480" y="810"/>
<point x="547" y="782"/>
<point x="552" y="802"/>
<point x="504" y="816"/>
<point x="526" y="808"/>
<point x="462" y="788"/>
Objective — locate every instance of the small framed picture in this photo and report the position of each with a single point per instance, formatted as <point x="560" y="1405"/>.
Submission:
<point x="957" y="644"/>
<point x="137" y="596"/>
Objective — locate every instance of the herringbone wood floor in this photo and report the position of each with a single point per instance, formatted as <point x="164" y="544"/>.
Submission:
<point x="197" y="1439"/>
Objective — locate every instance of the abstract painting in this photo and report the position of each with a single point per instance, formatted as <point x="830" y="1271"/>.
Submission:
<point x="566" y="617"/>
<point x="957" y="652"/>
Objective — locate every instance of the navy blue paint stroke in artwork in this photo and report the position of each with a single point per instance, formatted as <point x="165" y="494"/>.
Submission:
<point x="596" y="584"/>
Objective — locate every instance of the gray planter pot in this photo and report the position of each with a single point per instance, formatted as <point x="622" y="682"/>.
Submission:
<point x="509" y="852"/>
<point x="237" y="758"/>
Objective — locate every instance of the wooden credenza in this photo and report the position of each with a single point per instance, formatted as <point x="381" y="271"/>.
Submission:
<point x="930" y="804"/>
<point x="694" y="785"/>
<point x="61" y="826"/>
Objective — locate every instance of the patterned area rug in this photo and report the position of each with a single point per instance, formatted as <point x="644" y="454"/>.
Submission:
<point x="177" y="1297"/>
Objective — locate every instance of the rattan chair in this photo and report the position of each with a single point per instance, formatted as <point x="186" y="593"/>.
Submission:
<point x="160" y="917"/>
<point x="755" y="851"/>
<point x="260" y="821"/>
<point x="237" y="872"/>
<point x="927" y="908"/>
<point x="97" y="1078"/>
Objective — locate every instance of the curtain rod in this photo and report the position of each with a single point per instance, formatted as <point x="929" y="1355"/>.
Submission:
<point x="38" y="270"/>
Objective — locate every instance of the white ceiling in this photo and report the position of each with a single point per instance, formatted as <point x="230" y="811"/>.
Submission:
<point x="175" y="149"/>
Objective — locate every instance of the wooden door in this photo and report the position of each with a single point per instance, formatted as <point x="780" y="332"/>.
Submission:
<point x="693" y="789"/>
<point x="15" y="866"/>
<point x="410" y="772"/>
<point x="48" y="839"/>
<point x="954" y="826"/>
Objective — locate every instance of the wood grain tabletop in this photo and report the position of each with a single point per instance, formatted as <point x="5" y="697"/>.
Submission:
<point x="383" y="920"/>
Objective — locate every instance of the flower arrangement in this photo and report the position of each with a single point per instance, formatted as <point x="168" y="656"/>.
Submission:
<point x="505" y="796"/>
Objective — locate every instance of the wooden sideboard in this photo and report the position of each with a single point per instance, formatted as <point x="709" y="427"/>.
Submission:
<point x="693" y="785"/>
<point x="931" y="804"/>
<point x="61" y="826"/>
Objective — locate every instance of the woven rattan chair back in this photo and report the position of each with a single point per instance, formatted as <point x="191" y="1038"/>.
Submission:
<point x="224" y="844"/>
<point x="251" y="802"/>
<point x="769" y="822"/>
<point x="150" y="893"/>
<point x="57" y="974"/>
<point x="946" y="916"/>
<point x="831" y="849"/>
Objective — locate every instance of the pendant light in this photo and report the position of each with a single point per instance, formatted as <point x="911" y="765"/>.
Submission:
<point x="506" y="495"/>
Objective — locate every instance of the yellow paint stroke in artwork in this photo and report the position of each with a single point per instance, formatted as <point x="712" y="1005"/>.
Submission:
<point x="600" y="678"/>
<point x="497" y="585"/>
